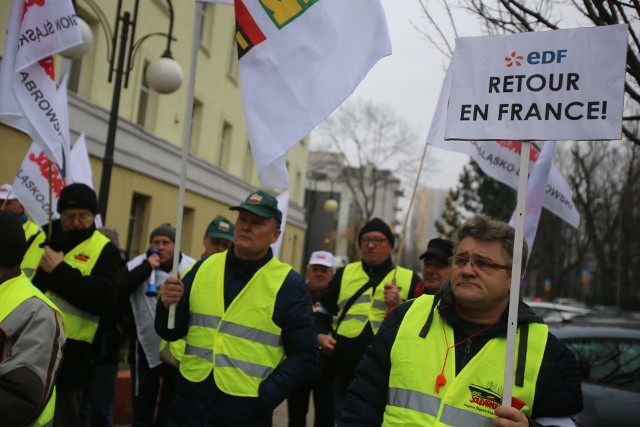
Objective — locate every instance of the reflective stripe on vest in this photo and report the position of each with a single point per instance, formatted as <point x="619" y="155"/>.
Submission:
<point x="13" y="293"/>
<point x="370" y="306"/>
<point x="241" y="344"/>
<point x="32" y="257"/>
<point x="467" y="399"/>
<point x="81" y="325"/>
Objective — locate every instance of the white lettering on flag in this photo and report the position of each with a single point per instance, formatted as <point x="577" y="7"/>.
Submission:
<point x="29" y="101"/>
<point x="548" y="85"/>
<point x="501" y="159"/>
<point x="298" y="62"/>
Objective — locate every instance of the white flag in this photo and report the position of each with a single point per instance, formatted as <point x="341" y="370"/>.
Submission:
<point x="298" y="62"/>
<point x="31" y="185"/>
<point x="538" y="180"/>
<point x="80" y="168"/>
<point x="501" y="161"/>
<point x="283" y="205"/>
<point x="28" y="94"/>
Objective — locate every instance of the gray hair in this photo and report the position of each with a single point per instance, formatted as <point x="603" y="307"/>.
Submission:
<point x="483" y="227"/>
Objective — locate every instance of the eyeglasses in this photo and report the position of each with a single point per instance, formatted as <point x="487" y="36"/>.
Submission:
<point x="80" y="217"/>
<point x="477" y="263"/>
<point x="376" y="241"/>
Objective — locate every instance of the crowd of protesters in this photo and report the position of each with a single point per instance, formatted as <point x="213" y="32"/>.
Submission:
<point x="238" y="332"/>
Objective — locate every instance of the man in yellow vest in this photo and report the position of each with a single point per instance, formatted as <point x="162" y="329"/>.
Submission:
<point x="33" y="233"/>
<point x="31" y="340"/>
<point x="356" y="301"/>
<point x="78" y="269"/>
<point x="440" y="359"/>
<point x="249" y="326"/>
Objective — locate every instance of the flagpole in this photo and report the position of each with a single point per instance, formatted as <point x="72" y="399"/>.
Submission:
<point x="50" y="228"/>
<point x="406" y="218"/>
<point x="516" y="269"/>
<point x="186" y="145"/>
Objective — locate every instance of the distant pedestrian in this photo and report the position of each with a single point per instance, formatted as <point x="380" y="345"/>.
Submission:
<point x="319" y="274"/>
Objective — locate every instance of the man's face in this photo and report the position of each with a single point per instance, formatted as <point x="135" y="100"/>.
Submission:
<point x="375" y="247"/>
<point x="13" y="206"/>
<point x="253" y="235"/>
<point x="477" y="288"/>
<point x="213" y="245"/>
<point x="76" y="219"/>
<point x="434" y="273"/>
<point x="318" y="277"/>
<point x="165" y="245"/>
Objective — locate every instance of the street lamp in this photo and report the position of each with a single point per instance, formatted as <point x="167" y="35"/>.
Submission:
<point x="330" y="206"/>
<point x="163" y="75"/>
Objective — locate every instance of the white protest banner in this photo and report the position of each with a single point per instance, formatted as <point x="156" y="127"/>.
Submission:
<point x="283" y="205"/>
<point x="29" y="101"/>
<point x="549" y="85"/>
<point x="500" y="160"/>
<point x="298" y="62"/>
<point x="535" y="194"/>
<point x="31" y="185"/>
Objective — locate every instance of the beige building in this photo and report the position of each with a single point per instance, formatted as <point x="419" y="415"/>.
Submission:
<point x="148" y="145"/>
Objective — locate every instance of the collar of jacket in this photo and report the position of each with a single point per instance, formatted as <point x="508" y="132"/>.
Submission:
<point x="11" y="273"/>
<point x="242" y="267"/>
<point x="378" y="269"/>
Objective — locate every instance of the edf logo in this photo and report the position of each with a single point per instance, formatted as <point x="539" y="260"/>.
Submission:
<point x="536" y="57"/>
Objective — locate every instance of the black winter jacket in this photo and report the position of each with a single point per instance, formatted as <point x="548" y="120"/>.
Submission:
<point x="95" y="294"/>
<point x="558" y="390"/>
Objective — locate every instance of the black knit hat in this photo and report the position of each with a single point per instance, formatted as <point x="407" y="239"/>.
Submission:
<point x="13" y="244"/>
<point x="78" y="196"/>
<point x="376" y="224"/>
<point x="164" y="230"/>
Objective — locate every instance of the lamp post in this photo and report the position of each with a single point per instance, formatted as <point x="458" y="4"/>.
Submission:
<point x="163" y="75"/>
<point x="330" y="206"/>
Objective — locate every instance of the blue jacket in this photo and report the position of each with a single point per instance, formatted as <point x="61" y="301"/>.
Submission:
<point x="292" y="313"/>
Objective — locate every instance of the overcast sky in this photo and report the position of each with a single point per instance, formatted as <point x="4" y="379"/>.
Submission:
<point x="409" y="81"/>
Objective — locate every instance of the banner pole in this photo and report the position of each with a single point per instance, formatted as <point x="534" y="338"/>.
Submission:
<point x="186" y="145"/>
<point x="516" y="269"/>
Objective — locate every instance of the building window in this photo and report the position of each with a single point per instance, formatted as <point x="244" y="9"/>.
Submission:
<point x="206" y="26"/>
<point x="143" y="102"/>
<point x="249" y="166"/>
<point x="196" y="125"/>
<point x="225" y="146"/>
<point x="188" y="215"/>
<point x="138" y="217"/>
<point x="233" y="69"/>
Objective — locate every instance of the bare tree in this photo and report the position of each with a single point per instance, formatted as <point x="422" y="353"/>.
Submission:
<point x="376" y="147"/>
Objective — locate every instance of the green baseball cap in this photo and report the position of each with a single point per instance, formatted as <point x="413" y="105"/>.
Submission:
<point x="262" y="204"/>
<point x="220" y="228"/>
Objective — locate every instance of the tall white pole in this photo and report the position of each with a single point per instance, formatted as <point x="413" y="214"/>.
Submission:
<point x="516" y="270"/>
<point x="186" y="145"/>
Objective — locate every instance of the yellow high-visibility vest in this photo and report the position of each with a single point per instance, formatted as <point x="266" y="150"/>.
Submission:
<point x="13" y="293"/>
<point x="242" y="345"/>
<point x="468" y="398"/>
<point x="370" y="306"/>
<point x="81" y="325"/>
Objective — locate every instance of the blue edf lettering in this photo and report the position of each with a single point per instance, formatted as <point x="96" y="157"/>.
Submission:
<point x="546" y="56"/>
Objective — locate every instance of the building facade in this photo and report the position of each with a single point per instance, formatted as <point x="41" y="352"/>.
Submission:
<point x="149" y="137"/>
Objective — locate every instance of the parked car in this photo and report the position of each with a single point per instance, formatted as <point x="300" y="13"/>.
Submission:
<point x="608" y="353"/>
<point x="557" y="313"/>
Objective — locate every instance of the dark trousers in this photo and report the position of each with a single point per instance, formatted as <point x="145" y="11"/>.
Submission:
<point x="145" y="385"/>
<point x="298" y="403"/>
<point x="97" y="400"/>
<point x="67" y="408"/>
